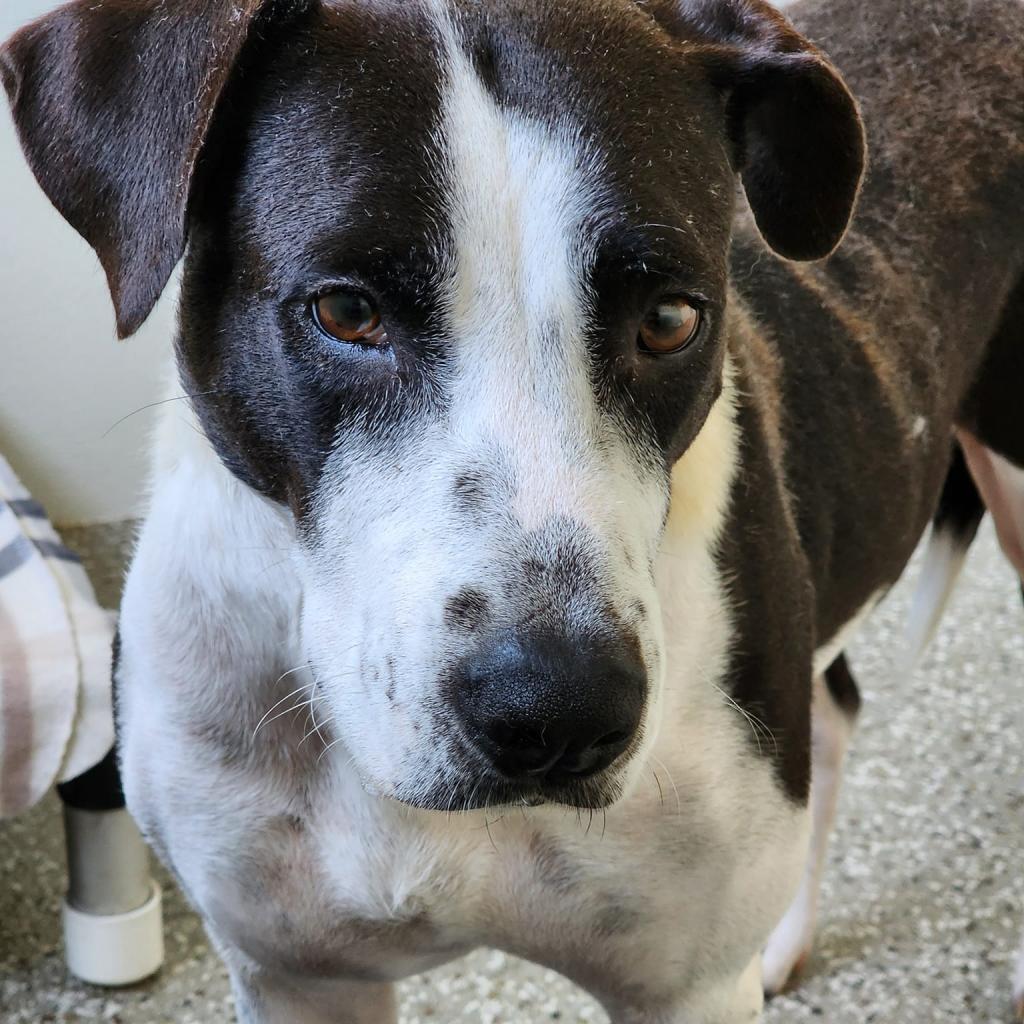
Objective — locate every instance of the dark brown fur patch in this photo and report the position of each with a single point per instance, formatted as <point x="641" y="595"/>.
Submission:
<point x="469" y="609"/>
<point x="842" y="686"/>
<point x="861" y="364"/>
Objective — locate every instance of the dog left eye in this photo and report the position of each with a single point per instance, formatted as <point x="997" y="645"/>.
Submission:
<point x="670" y="326"/>
<point x="349" y="316"/>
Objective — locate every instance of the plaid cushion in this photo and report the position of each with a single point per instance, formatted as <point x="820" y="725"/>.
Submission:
<point x="55" y="702"/>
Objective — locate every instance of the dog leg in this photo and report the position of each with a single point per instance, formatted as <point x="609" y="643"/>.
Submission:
<point x="834" y="712"/>
<point x="739" y="1001"/>
<point x="1001" y="484"/>
<point x="263" y="1000"/>
<point x="1002" y="489"/>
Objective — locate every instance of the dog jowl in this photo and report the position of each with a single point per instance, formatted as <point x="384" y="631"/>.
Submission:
<point x="454" y="295"/>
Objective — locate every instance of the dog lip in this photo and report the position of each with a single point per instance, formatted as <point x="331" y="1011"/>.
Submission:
<point x="474" y="794"/>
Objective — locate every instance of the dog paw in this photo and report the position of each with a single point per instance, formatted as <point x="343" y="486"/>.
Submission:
<point x="787" y="952"/>
<point x="783" y="977"/>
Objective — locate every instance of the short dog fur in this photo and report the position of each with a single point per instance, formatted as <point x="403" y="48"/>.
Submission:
<point x="362" y="562"/>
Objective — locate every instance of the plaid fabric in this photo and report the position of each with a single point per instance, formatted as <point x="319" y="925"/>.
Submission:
<point x="55" y="700"/>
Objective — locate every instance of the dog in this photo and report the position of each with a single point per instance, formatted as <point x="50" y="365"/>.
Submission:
<point x="561" y="393"/>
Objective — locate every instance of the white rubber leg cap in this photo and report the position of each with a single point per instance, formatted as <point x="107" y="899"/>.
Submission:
<point x="115" y="950"/>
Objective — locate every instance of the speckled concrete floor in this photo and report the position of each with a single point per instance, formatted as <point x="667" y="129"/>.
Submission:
<point x="922" y="906"/>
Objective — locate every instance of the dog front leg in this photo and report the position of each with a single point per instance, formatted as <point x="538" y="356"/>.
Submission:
<point x="834" y="711"/>
<point x="265" y="1000"/>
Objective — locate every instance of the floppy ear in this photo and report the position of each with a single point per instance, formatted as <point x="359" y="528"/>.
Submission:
<point x="112" y="102"/>
<point x="797" y="133"/>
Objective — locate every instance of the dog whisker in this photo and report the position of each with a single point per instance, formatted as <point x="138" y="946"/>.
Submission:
<point x="270" y="711"/>
<point x="487" y="825"/>
<point x="312" y="715"/>
<point x="756" y="725"/>
<point x="155" y="405"/>
<point x="661" y="794"/>
<point x="287" y="711"/>
<point x="468" y="802"/>
<point x="672" y="782"/>
<point x="291" y="672"/>
<point x="330" y="746"/>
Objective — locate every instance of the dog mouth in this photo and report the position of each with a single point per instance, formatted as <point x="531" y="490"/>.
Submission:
<point x="489" y="791"/>
<point x="474" y="781"/>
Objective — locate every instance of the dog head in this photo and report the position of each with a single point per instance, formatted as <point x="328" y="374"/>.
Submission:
<point x="455" y="296"/>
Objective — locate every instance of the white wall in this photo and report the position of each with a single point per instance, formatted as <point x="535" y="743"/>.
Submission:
<point x="64" y="378"/>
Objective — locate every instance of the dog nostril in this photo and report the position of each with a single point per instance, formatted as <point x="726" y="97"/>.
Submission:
<point x="534" y="760"/>
<point x="522" y="751"/>
<point x="529" y="760"/>
<point x="590" y="759"/>
<point x="580" y="763"/>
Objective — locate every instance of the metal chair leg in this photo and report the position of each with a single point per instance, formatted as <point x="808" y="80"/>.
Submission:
<point x="113" y="925"/>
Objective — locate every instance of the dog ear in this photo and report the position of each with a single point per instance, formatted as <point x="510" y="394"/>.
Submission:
<point x="113" y="102"/>
<point x="796" y="131"/>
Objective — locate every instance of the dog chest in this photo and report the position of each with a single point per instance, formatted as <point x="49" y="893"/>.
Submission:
<point x="374" y="891"/>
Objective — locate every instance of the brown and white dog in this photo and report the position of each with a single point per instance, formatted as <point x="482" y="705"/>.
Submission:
<point x="521" y="453"/>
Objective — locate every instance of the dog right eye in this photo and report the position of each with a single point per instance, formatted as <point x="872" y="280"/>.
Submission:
<point x="670" y="326"/>
<point x="349" y="316"/>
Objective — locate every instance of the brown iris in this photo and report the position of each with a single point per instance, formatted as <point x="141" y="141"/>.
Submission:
<point x="669" y="326"/>
<point x="349" y="316"/>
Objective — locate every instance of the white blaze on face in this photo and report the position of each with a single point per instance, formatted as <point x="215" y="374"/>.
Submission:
<point x="521" y="192"/>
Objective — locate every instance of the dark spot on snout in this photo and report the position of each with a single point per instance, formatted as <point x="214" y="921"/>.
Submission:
<point x="564" y="570"/>
<point x="564" y="561"/>
<point x="574" y="563"/>
<point x="639" y="610"/>
<point x="468" y="609"/>
<point x="534" y="571"/>
<point x="392" y="682"/>
<point x="470" y="490"/>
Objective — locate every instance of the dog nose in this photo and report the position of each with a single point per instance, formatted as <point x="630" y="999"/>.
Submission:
<point x="548" y="709"/>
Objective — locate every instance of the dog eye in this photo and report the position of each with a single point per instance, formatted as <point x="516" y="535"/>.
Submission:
<point x="349" y="316"/>
<point x="669" y="327"/>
